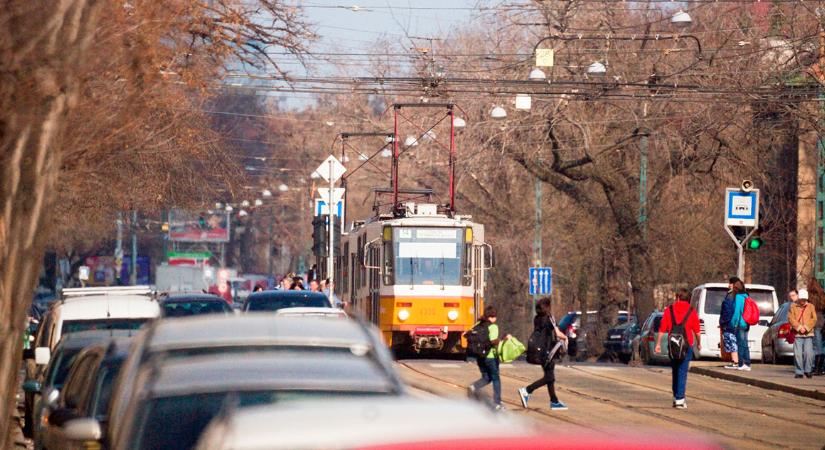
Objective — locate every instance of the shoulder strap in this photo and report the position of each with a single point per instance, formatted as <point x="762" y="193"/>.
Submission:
<point x="672" y="316"/>
<point x="802" y="313"/>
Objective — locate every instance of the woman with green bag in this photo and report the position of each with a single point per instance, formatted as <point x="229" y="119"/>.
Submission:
<point x="544" y="322"/>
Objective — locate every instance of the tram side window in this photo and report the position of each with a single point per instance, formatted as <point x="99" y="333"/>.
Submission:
<point x="388" y="256"/>
<point x="467" y="265"/>
<point x="345" y="267"/>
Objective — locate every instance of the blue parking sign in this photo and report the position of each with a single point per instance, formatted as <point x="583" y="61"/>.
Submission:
<point x="541" y="280"/>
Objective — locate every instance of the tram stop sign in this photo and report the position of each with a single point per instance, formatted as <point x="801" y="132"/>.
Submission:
<point x="741" y="208"/>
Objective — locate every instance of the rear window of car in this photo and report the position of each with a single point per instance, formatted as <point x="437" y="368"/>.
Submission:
<point x="74" y="326"/>
<point x="62" y="363"/>
<point x="715" y="297"/>
<point x="195" y="308"/>
<point x="657" y="322"/>
<point x="274" y="302"/>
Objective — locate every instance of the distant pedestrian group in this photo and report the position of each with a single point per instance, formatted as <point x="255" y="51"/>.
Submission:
<point x="734" y="327"/>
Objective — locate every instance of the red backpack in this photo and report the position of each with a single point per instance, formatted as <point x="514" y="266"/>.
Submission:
<point x="750" y="312"/>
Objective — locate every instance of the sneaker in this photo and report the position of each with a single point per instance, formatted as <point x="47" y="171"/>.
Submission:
<point x="524" y="396"/>
<point x="745" y="368"/>
<point x="471" y="391"/>
<point x="499" y="407"/>
<point x="558" y="406"/>
<point x="808" y="375"/>
<point x="797" y="376"/>
<point x="680" y="404"/>
<point x="731" y="367"/>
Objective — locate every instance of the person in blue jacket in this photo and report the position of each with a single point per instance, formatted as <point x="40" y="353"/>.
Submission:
<point x="738" y="323"/>
<point x="728" y="330"/>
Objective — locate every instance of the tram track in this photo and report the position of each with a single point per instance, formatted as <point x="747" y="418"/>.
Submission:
<point x="619" y="405"/>
<point x="646" y="412"/>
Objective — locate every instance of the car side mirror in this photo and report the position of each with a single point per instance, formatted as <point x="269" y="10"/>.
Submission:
<point x="42" y="355"/>
<point x="83" y="429"/>
<point x="31" y="386"/>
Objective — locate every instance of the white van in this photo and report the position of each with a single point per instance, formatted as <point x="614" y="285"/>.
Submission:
<point x="96" y="311"/>
<point x="707" y="301"/>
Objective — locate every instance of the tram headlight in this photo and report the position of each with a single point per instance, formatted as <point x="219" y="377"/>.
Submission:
<point x="452" y="314"/>
<point x="403" y="315"/>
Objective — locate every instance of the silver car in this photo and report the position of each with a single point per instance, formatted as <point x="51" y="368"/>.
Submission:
<point x="774" y="343"/>
<point x="649" y="337"/>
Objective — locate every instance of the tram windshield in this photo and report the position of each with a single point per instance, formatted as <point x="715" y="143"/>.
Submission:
<point x="428" y="256"/>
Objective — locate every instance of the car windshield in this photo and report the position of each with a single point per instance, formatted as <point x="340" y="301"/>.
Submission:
<point x="74" y="326"/>
<point x="274" y="302"/>
<point x="59" y="368"/>
<point x="190" y="414"/>
<point x="763" y="299"/>
<point x="195" y="307"/>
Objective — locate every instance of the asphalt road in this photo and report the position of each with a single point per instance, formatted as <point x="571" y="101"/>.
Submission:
<point x="618" y="398"/>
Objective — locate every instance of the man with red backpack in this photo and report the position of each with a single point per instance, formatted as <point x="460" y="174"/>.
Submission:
<point x="680" y="324"/>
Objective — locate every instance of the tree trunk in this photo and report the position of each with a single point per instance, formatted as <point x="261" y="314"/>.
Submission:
<point x="41" y="48"/>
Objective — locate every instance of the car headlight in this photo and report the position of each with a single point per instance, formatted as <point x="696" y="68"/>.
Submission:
<point x="403" y="315"/>
<point x="452" y="314"/>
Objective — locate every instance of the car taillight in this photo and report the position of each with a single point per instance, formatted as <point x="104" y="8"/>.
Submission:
<point x="784" y="329"/>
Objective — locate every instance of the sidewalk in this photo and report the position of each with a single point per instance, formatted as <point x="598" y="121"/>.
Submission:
<point x="774" y="377"/>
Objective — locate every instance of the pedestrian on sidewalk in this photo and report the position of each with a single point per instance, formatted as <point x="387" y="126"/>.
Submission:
<point x="729" y="331"/>
<point x="802" y="319"/>
<point x="680" y="322"/>
<point x="741" y="327"/>
<point x="545" y="324"/>
<point x="488" y="366"/>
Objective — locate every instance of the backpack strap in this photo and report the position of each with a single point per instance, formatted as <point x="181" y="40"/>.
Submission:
<point x="687" y="315"/>
<point x="672" y="316"/>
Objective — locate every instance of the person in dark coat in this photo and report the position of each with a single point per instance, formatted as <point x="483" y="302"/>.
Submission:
<point x="544" y="322"/>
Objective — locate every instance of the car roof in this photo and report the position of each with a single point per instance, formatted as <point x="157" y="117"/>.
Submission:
<point x="725" y="286"/>
<point x="309" y="310"/>
<point x="83" y="339"/>
<point x="192" y="298"/>
<point x="109" y="306"/>
<point x="357" y="422"/>
<point x="253" y="329"/>
<point x="269" y="370"/>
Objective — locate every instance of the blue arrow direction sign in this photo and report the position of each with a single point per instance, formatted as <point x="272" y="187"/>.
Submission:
<point x="541" y="280"/>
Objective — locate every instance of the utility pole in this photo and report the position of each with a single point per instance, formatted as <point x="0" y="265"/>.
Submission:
<point x="133" y="275"/>
<point x="331" y="225"/>
<point x="537" y="242"/>
<point x="643" y="185"/>
<point x="819" y="255"/>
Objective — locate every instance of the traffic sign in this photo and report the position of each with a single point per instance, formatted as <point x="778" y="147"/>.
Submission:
<point x="337" y="194"/>
<point x="541" y="280"/>
<point x="741" y="208"/>
<point x="331" y="169"/>
<point x="321" y="208"/>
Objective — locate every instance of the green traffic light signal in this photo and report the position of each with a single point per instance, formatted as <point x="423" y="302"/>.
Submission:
<point x="755" y="243"/>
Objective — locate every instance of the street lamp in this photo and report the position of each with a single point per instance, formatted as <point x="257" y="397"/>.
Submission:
<point x="258" y="202"/>
<point x="229" y="208"/>
<point x="243" y="213"/>
<point x="245" y="204"/>
<point x="498" y="113"/>
<point x="386" y="153"/>
<point x="411" y="141"/>
<point x="459" y="123"/>
<point x="283" y="188"/>
<point x="597" y="68"/>
<point x="266" y="193"/>
<point x="681" y="19"/>
<point x="537" y="75"/>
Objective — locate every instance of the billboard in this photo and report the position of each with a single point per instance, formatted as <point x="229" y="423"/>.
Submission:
<point x="205" y="226"/>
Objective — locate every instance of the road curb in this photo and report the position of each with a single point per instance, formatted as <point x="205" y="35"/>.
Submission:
<point x="817" y="395"/>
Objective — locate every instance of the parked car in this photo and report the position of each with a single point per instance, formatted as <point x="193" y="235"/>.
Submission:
<point x="193" y="304"/>
<point x="332" y="313"/>
<point x="46" y="388"/>
<point x="577" y="334"/>
<point x="774" y="342"/>
<point x="275" y="300"/>
<point x="378" y="421"/>
<point x="87" y="391"/>
<point x="185" y="339"/>
<point x="707" y="300"/>
<point x="620" y="340"/>
<point x="648" y="337"/>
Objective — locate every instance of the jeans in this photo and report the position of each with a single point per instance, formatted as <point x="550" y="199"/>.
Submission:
<point x="743" y="350"/>
<point x="489" y="373"/>
<point x="803" y="355"/>
<point x="549" y="380"/>
<point x="680" y="373"/>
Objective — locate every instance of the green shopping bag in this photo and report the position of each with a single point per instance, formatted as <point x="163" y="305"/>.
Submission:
<point x="510" y="349"/>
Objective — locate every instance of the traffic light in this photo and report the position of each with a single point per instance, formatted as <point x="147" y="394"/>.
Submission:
<point x="755" y="243"/>
<point x="202" y="222"/>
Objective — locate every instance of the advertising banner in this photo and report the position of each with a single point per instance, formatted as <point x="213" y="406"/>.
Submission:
<point x="205" y="226"/>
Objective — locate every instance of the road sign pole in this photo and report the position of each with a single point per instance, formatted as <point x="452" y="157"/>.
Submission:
<point x="331" y="207"/>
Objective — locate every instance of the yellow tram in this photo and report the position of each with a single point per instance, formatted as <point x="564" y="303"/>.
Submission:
<point x="418" y="275"/>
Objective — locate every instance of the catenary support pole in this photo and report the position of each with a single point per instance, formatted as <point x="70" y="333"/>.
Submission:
<point x="331" y="224"/>
<point x="133" y="227"/>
